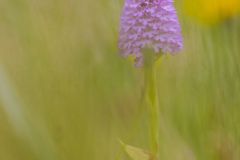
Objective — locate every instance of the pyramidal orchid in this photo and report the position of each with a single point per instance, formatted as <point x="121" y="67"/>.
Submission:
<point x="149" y="24"/>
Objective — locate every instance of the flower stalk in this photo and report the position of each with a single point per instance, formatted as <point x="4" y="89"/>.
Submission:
<point x="152" y="100"/>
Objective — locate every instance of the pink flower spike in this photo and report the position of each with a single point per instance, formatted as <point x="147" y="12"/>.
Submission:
<point x="149" y="23"/>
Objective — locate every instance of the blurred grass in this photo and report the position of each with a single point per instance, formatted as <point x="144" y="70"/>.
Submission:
<point x="77" y="96"/>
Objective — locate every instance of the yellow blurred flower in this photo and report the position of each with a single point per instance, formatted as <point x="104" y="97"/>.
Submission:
<point x="212" y="11"/>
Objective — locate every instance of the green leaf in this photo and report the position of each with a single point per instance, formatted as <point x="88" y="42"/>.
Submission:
<point x="137" y="153"/>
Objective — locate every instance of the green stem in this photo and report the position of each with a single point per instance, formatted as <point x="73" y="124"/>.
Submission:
<point x="152" y="99"/>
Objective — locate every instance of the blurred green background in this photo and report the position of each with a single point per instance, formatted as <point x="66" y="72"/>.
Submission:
<point x="66" y="94"/>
